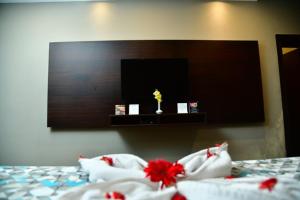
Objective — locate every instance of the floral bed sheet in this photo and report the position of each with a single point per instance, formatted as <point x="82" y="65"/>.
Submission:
<point x="39" y="182"/>
<point x="278" y="167"/>
<point x="48" y="182"/>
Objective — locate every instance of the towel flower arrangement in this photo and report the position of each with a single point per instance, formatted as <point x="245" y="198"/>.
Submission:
<point x="126" y="176"/>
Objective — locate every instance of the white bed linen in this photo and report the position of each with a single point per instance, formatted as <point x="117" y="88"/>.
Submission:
<point x="197" y="166"/>
<point x="208" y="189"/>
<point x="204" y="179"/>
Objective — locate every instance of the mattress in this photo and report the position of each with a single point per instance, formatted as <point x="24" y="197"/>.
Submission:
<point x="47" y="182"/>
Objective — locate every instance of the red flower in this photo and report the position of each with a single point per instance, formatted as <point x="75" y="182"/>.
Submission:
<point x="178" y="196"/>
<point x="162" y="170"/>
<point x="108" y="160"/>
<point x="268" y="184"/>
<point x="176" y="169"/>
<point x="229" y="177"/>
<point x="118" y="196"/>
<point x="115" y="195"/>
<point x="209" y="154"/>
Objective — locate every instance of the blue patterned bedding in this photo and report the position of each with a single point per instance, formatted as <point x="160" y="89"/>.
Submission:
<point x="47" y="182"/>
<point x="279" y="167"/>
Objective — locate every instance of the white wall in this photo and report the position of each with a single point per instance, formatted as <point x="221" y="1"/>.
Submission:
<point x="27" y="29"/>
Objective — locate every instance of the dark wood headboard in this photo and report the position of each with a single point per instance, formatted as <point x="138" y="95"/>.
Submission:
<point x="85" y="80"/>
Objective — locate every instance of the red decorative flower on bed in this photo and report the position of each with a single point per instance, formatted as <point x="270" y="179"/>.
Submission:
<point x="268" y="184"/>
<point x="165" y="171"/>
<point x="209" y="154"/>
<point x="108" y="160"/>
<point x="178" y="196"/>
<point x="229" y="177"/>
<point x="115" y="195"/>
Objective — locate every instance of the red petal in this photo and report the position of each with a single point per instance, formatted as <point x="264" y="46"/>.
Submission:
<point x="108" y="160"/>
<point x="162" y="170"/>
<point x="218" y="145"/>
<point x="209" y="154"/>
<point x="118" y="196"/>
<point x="107" y="195"/>
<point x="229" y="177"/>
<point x="268" y="184"/>
<point x="176" y="169"/>
<point x="178" y="196"/>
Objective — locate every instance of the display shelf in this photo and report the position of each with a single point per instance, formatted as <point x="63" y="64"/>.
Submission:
<point x="157" y="119"/>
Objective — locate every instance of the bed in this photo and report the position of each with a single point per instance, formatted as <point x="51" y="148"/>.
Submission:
<point x="42" y="182"/>
<point x="48" y="182"/>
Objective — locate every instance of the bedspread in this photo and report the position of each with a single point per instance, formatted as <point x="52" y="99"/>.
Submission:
<point x="47" y="182"/>
<point x="279" y="167"/>
<point x="44" y="182"/>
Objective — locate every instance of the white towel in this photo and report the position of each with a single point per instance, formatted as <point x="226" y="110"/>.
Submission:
<point x="132" y="189"/>
<point x="126" y="175"/>
<point x="197" y="166"/>
<point x="200" y="182"/>
<point x="239" y="188"/>
<point x="209" y="189"/>
<point x="124" y="166"/>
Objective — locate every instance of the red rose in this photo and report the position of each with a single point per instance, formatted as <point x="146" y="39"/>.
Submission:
<point x="165" y="171"/>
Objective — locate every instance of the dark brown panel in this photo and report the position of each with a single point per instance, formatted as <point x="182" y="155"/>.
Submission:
<point x="84" y="79"/>
<point x="289" y="68"/>
<point x="155" y="119"/>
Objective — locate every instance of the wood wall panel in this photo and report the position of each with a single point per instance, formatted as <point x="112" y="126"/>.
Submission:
<point x="85" y="80"/>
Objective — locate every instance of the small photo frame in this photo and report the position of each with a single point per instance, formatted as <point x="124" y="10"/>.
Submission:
<point x="194" y="107"/>
<point x="120" y="110"/>
<point x="182" y="108"/>
<point x="133" y="109"/>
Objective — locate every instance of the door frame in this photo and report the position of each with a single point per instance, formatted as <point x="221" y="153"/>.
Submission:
<point x="285" y="40"/>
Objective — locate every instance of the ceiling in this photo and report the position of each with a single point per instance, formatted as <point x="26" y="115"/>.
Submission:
<point x="41" y="1"/>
